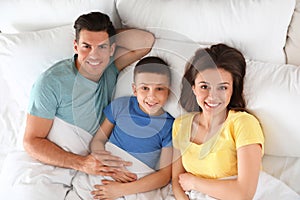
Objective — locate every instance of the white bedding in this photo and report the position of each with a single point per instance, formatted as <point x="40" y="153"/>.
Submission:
<point x="84" y="183"/>
<point x="26" y="54"/>
<point x="268" y="188"/>
<point x="31" y="180"/>
<point x="35" y="180"/>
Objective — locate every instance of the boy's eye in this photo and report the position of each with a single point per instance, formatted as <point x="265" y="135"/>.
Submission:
<point x="160" y="89"/>
<point x="144" y="88"/>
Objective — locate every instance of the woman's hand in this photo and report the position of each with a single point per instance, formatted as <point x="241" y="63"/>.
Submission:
<point x="186" y="181"/>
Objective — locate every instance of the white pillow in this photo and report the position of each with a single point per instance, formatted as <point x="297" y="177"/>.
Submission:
<point x="33" y="15"/>
<point x="175" y="54"/>
<point x="23" y="57"/>
<point x="257" y="28"/>
<point x="292" y="47"/>
<point x="272" y="93"/>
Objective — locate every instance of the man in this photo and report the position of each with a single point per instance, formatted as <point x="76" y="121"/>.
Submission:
<point x="66" y="103"/>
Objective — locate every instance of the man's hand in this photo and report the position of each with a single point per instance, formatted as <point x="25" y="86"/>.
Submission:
<point x="107" y="159"/>
<point x="124" y="176"/>
<point x="102" y="163"/>
<point x="115" y="163"/>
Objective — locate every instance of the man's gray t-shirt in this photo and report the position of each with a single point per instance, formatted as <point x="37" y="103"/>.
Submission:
<point x="63" y="92"/>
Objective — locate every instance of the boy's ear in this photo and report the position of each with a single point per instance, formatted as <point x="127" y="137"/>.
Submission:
<point x="133" y="86"/>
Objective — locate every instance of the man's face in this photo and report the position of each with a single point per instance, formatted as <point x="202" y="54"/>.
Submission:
<point x="94" y="51"/>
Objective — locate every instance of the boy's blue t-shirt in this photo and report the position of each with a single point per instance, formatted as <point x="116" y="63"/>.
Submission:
<point x="138" y="133"/>
<point x="63" y="92"/>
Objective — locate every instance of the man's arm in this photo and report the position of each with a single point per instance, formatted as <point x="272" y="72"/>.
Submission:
<point x="132" y="45"/>
<point x="38" y="146"/>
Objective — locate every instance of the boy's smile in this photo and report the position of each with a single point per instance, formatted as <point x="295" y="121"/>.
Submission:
<point x="152" y="91"/>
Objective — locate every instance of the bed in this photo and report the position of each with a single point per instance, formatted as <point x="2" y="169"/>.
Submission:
<point x="267" y="32"/>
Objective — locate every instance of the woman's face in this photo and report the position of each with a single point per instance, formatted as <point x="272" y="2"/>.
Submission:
<point x="213" y="90"/>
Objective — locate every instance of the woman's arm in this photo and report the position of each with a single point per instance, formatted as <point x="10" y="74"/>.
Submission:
<point x="158" y="179"/>
<point x="243" y="187"/>
<point x="132" y="45"/>
<point x="177" y="169"/>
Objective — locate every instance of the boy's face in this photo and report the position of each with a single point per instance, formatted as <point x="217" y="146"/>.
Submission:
<point x="94" y="51"/>
<point x="152" y="91"/>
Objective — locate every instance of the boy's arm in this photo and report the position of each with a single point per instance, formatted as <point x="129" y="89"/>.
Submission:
<point x="97" y="147"/>
<point x="98" y="142"/>
<point x="150" y="182"/>
<point x="131" y="45"/>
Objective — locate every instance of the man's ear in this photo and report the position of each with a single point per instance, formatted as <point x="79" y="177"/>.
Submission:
<point x="112" y="49"/>
<point x="133" y="86"/>
<point x="75" y="46"/>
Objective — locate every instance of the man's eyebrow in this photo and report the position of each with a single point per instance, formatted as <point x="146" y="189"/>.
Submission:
<point x="86" y="43"/>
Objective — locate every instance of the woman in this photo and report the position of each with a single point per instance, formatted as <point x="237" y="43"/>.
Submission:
<point x="218" y="146"/>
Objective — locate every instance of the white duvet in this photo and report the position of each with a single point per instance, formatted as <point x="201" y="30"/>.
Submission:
<point x="24" y="178"/>
<point x="268" y="188"/>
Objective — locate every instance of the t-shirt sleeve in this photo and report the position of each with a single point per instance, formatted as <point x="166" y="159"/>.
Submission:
<point x="113" y="110"/>
<point x="110" y="78"/>
<point x="109" y="113"/>
<point x="248" y="131"/>
<point x="44" y="98"/>
<point x="175" y="135"/>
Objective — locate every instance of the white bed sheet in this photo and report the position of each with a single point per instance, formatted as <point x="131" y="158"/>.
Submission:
<point x="286" y="169"/>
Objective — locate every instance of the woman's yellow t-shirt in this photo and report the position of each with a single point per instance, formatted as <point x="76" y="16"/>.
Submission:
<point x="217" y="157"/>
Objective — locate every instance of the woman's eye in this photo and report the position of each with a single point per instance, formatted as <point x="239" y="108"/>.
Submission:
<point x="223" y="88"/>
<point x="204" y="87"/>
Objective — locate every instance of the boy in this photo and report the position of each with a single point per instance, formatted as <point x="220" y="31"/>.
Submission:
<point x="139" y="125"/>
